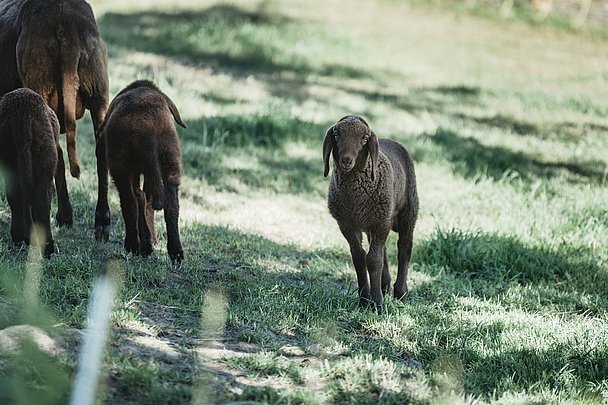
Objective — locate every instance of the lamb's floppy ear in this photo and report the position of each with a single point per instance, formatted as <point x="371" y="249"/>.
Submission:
<point x="328" y="145"/>
<point x="373" y="152"/>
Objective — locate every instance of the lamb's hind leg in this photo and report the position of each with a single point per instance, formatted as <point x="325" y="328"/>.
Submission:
<point x="144" y="233"/>
<point x="358" y="257"/>
<point x="128" y="205"/>
<point x="171" y="211"/>
<point x="19" y="229"/>
<point x="149" y="211"/>
<point x="386" y="276"/>
<point x="102" y="210"/>
<point x="41" y="215"/>
<point x="404" y="246"/>
<point x="65" y="213"/>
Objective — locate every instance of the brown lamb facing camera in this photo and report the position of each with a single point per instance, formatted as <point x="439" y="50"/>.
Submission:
<point x="140" y="138"/>
<point x="29" y="133"/>
<point x="373" y="190"/>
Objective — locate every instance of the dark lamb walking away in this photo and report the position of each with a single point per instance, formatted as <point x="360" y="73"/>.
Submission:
<point x="29" y="133"/>
<point x="54" y="48"/>
<point x="141" y="138"/>
<point x="373" y="190"/>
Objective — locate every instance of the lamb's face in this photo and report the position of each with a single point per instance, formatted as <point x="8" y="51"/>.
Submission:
<point x="350" y="150"/>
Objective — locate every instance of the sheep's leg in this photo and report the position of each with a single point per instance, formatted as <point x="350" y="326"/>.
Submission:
<point x="374" y="261"/>
<point x="404" y="246"/>
<point x="102" y="210"/>
<point x="357" y="254"/>
<point x="144" y="232"/>
<point x="386" y="276"/>
<point x="128" y="205"/>
<point x="171" y="211"/>
<point x="149" y="211"/>
<point x="41" y="215"/>
<point x="153" y="178"/>
<point x="19" y="231"/>
<point x="65" y="213"/>
<point x="28" y="220"/>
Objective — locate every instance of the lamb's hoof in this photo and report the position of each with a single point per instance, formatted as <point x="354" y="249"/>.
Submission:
<point x="177" y="257"/>
<point x="102" y="233"/>
<point x="386" y="289"/>
<point x="65" y="219"/>
<point x="369" y="303"/>
<point x="132" y="246"/>
<point x="365" y="303"/>
<point x="401" y="295"/>
<point x="146" y="248"/>
<point x="75" y="170"/>
<point x="102" y="224"/>
<point x="20" y="241"/>
<point x="49" y="249"/>
<point x="158" y="203"/>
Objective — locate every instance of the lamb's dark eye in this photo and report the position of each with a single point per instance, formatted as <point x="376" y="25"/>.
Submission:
<point x="364" y="141"/>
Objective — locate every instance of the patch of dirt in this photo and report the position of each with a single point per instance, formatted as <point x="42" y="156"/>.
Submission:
<point x="167" y="336"/>
<point x="161" y="335"/>
<point x="13" y="338"/>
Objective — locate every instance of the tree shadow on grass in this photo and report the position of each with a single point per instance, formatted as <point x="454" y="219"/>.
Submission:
<point x="477" y="273"/>
<point x="471" y="159"/>
<point x="221" y="37"/>
<point x="213" y="150"/>
<point x="267" y="286"/>
<point x="492" y="266"/>
<point x="448" y="100"/>
<point x="478" y="358"/>
<point x="437" y="100"/>
<point x="566" y="131"/>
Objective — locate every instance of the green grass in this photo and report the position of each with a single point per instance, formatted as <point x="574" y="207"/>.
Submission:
<point x="506" y="122"/>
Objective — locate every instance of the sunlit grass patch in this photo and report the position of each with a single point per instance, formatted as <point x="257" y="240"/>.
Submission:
<point x="506" y="126"/>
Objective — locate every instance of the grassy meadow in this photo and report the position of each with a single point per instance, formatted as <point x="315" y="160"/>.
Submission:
<point x="507" y="123"/>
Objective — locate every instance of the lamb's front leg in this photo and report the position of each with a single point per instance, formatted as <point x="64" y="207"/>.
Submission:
<point x="358" y="256"/>
<point x="375" y="265"/>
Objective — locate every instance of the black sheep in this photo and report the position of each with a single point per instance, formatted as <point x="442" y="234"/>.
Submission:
<point x="29" y="132"/>
<point x="54" y="48"/>
<point x="372" y="190"/>
<point x="140" y="138"/>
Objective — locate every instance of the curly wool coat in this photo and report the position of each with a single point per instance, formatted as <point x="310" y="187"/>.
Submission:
<point x="29" y="132"/>
<point x="54" y="48"/>
<point x="140" y="138"/>
<point x="372" y="190"/>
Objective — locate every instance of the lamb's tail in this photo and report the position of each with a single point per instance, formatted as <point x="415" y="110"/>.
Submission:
<point x="175" y="112"/>
<point x="153" y="183"/>
<point x="24" y="164"/>
<point x="70" y="56"/>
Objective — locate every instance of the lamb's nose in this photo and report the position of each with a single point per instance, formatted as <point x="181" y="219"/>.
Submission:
<point x="346" y="161"/>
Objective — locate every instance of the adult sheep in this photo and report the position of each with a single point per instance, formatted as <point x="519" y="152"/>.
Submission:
<point x="372" y="190"/>
<point x="54" y="48"/>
